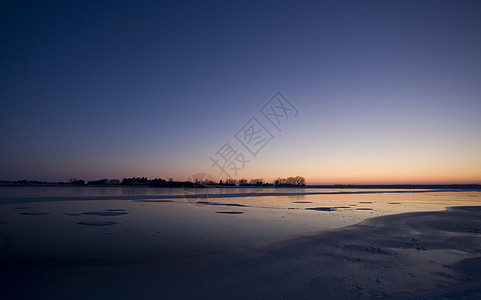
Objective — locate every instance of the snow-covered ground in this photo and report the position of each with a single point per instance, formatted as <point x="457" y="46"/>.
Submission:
<point x="246" y="243"/>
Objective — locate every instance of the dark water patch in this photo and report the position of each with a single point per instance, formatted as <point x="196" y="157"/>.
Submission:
<point x="394" y="203"/>
<point x="72" y="214"/>
<point x="333" y="208"/>
<point x="230" y="212"/>
<point x="3" y="222"/>
<point x="352" y="204"/>
<point x="104" y="213"/>
<point x="366" y="202"/>
<point x="301" y="202"/>
<point x="323" y="208"/>
<point x="98" y="223"/>
<point x="221" y="204"/>
<point x="21" y="207"/>
<point x="112" y="209"/>
<point x="363" y="208"/>
<point x="35" y="213"/>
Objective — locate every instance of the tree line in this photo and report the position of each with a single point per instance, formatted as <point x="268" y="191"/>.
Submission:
<point x="159" y="182"/>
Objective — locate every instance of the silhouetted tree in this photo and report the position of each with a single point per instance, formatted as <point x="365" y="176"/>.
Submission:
<point x="230" y="181"/>
<point x="297" y="181"/>
<point x="78" y="182"/>
<point x="158" y="182"/>
<point x="114" y="182"/>
<point x="257" y="181"/>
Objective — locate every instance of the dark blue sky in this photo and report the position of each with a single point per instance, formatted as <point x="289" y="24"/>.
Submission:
<point x="388" y="91"/>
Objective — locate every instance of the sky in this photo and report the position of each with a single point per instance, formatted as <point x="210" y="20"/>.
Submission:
<point x="359" y="92"/>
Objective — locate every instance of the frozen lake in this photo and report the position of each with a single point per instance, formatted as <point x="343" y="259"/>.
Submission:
<point x="98" y="225"/>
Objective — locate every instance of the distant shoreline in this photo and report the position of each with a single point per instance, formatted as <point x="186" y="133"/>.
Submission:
<point x="335" y="186"/>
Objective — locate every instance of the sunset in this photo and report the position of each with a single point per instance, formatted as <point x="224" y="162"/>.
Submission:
<point x="155" y="137"/>
<point x="387" y="92"/>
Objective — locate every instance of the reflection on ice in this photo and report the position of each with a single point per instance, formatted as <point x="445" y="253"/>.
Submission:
<point x="104" y="213"/>
<point x="123" y="225"/>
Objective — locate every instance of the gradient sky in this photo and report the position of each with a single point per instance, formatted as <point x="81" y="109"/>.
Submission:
<point x="387" y="91"/>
